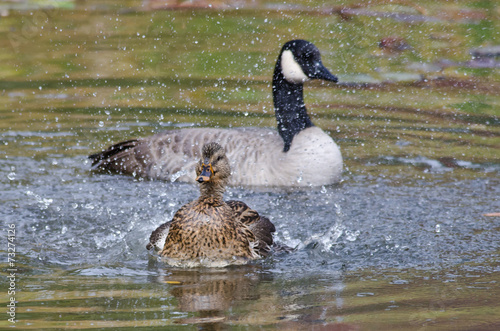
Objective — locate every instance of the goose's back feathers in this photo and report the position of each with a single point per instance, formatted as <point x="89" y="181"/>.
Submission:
<point x="171" y="155"/>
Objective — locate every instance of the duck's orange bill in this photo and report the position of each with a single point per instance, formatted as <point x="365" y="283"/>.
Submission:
<point x="206" y="173"/>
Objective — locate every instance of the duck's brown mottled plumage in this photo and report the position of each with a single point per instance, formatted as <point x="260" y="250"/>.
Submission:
<point x="210" y="228"/>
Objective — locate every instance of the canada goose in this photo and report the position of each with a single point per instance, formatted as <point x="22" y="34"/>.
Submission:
<point x="297" y="154"/>
<point x="210" y="231"/>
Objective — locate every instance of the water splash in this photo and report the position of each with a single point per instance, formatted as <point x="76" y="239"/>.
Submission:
<point x="43" y="202"/>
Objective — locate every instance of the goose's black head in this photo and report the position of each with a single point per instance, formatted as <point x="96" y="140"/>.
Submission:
<point x="298" y="62"/>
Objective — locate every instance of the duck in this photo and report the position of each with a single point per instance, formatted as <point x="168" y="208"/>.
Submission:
<point x="297" y="154"/>
<point x="210" y="231"/>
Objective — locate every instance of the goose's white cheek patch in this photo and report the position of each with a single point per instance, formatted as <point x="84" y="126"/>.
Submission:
<point x="291" y="69"/>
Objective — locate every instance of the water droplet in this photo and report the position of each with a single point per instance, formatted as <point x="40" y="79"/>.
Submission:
<point x="11" y="176"/>
<point x="45" y="202"/>
<point x="352" y="235"/>
<point x="101" y="124"/>
<point x="438" y="228"/>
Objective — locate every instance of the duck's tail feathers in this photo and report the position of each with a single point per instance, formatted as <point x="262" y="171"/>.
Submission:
<point x="281" y="248"/>
<point x="263" y="230"/>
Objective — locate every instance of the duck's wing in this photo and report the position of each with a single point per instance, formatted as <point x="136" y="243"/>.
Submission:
<point x="260" y="226"/>
<point x="158" y="237"/>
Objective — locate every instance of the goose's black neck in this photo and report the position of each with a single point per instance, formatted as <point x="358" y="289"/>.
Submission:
<point x="289" y="107"/>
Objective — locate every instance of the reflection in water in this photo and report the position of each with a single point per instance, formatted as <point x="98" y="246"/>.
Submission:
<point x="219" y="297"/>
<point x="253" y="297"/>
<point x="210" y="292"/>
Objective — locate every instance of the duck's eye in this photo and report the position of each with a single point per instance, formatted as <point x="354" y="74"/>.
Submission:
<point x="220" y="158"/>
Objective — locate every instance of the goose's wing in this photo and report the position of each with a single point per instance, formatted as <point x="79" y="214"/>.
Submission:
<point x="121" y="158"/>
<point x="112" y="151"/>
<point x="158" y="156"/>
<point x="158" y="237"/>
<point x="260" y="226"/>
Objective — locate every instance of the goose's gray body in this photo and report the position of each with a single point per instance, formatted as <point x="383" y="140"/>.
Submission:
<point x="297" y="154"/>
<point x="312" y="159"/>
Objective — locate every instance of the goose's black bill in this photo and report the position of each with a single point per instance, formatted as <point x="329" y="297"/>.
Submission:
<point x="321" y="72"/>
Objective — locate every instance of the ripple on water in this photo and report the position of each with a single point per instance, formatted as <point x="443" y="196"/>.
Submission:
<point x="436" y="165"/>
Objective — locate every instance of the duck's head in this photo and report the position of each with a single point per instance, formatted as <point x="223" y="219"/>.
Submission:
<point x="300" y="61"/>
<point x="214" y="165"/>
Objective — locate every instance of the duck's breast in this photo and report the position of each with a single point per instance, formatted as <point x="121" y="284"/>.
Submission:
<point x="207" y="232"/>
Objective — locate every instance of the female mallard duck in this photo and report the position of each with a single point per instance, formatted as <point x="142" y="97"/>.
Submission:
<point x="210" y="231"/>
<point x="298" y="154"/>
